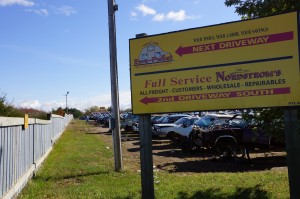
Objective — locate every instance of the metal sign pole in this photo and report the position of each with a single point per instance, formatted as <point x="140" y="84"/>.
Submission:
<point x="112" y="8"/>
<point x="146" y="156"/>
<point x="292" y="140"/>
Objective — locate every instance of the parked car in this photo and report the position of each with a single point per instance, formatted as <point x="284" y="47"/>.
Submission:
<point x="183" y="125"/>
<point x="229" y="137"/>
<point x="159" y="120"/>
<point x="127" y="121"/>
<point x="154" y="118"/>
<point x="173" y="118"/>
<point x="135" y="126"/>
<point x="103" y="119"/>
<point x="186" y="141"/>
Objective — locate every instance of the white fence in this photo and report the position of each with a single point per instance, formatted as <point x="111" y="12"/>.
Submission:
<point x="23" y="150"/>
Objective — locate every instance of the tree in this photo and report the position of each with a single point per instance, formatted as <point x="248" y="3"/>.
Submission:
<point x="92" y="110"/>
<point x="250" y="9"/>
<point x="269" y="118"/>
<point x="76" y="113"/>
<point x="34" y="113"/>
<point x="109" y="109"/>
<point x="59" y="111"/>
<point x="7" y="109"/>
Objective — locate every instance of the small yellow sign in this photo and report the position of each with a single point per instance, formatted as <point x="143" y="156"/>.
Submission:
<point x="26" y="121"/>
<point x="245" y="64"/>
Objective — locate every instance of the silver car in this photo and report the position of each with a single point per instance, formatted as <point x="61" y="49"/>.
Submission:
<point x="182" y="126"/>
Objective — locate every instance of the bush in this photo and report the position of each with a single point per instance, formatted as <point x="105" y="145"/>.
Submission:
<point x="8" y="110"/>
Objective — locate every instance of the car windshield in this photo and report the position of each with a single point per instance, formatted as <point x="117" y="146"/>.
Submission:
<point x="205" y="121"/>
<point x="235" y="122"/>
<point x="154" y="118"/>
<point x="195" y="120"/>
<point x="161" y="119"/>
<point x="209" y="120"/>
<point x="187" y="121"/>
<point x="181" y="121"/>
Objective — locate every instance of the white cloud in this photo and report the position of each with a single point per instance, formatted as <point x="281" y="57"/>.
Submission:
<point x="25" y="3"/>
<point x="173" y="16"/>
<point x="133" y="14"/>
<point x="103" y="100"/>
<point x="159" y="17"/>
<point x="170" y="16"/>
<point x="42" y="12"/>
<point x="145" y="10"/>
<point x="65" y="10"/>
<point x="46" y="106"/>
<point x="35" y="104"/>
<point x="176" y="16"/>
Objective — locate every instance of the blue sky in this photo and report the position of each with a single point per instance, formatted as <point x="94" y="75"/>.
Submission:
<point x="50" y="47"/>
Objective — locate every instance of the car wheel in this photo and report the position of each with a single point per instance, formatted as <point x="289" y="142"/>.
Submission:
<point x="174" y="138"/>
<point x="239" y="152"/>
<point x="186" y="145"/>
<point x="127" y="128"/>
<point x="226" y="148"/>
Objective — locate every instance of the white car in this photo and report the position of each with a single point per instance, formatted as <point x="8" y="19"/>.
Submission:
<point x="182" y="127"/>
<point x="128" y="120"/>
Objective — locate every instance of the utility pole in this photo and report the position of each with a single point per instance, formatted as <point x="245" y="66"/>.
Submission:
<point x="67" y="102"/>
<point x="115" y="121"/>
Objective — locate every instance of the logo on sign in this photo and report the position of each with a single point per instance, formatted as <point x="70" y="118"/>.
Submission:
<point x="152" y="53"/>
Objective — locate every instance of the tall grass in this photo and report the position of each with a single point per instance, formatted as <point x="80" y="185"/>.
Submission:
<point x="81" y="166"/>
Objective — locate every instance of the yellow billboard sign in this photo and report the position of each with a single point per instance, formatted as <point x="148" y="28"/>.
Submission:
<point x="245" y="64"/>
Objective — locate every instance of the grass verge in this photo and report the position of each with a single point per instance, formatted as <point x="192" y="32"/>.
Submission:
<point x="81" y="166"/>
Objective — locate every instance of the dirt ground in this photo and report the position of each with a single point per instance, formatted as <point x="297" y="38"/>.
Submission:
<point x="170" y="158"/>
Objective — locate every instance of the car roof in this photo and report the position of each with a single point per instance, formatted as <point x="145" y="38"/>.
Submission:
<point x="176" y="115"/>
<point x="221" y="116"/>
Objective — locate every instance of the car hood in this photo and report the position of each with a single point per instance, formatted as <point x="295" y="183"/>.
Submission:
<point x="164" y="125"/>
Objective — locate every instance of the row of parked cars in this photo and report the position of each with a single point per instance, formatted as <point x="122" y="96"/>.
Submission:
<point x="99" y="118"/>
<point x="229" y="134"/>
<point x="127" y="119"/>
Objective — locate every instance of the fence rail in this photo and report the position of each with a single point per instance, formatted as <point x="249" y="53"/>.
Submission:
<point x="23" y="150"/>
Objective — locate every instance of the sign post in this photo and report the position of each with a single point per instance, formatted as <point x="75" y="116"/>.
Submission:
<point x="146" y="156"/>
<point x="292" y="136"/>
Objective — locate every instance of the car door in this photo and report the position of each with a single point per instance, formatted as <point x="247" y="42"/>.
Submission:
<point x="185" y="128"/>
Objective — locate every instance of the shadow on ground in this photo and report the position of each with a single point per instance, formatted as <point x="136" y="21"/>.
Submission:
<point x="172" y="159"/>
<point x="240" y="193"/>
<point x="65" y="177"/>
<point x="222" y="165"/>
